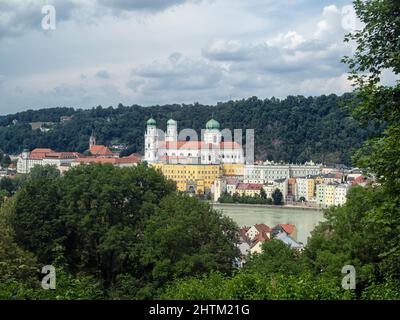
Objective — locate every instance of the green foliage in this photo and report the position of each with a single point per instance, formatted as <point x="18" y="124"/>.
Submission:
<point x="256" y="286"/>
<point x="5" y="159"/>
<point x="328" y="133"/>
<point x="115" y="232"/>
<point x="277" y="197"/>
<point x="257" y="199"/>
<point x="276" y="258"/>
<point x="362" y="233"/>
<point x="388" y="290"/>
<point x="186" y="237"/>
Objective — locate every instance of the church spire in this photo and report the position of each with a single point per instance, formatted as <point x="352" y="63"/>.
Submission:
<point x="92" y="140"/>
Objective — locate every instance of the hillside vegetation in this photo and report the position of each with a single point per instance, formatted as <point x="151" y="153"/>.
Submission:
<point x="294" y="129"/>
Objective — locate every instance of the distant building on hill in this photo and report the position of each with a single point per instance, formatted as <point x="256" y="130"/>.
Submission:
<point x="44" y="156"/>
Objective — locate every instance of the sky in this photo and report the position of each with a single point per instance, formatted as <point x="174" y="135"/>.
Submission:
<point x="147" y="52"/>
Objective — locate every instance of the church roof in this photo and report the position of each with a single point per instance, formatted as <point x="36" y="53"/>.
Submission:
<point x="212" y="124"/>
<point x="171" y="121"/>
<point x="100" y="151"/>
<point x="195" y="145"/>
<point x="151" y="122"/>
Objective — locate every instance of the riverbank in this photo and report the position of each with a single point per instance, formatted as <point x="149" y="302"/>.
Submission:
<point x="248" y="205"/>
<point x="304" y="219"/>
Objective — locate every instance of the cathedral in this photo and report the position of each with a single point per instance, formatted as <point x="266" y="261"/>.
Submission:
<point x="165" y="147"/>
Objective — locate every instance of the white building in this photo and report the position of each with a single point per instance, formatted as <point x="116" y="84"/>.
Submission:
<point x="341" y="194"/>
<point x="272" y="171"/>
<point x="167" y="148"/>
<point x="218" y="188"/>
<point x="27" y="160"/>
<point x="281" y="184"/>
<point x="331" y="194"/>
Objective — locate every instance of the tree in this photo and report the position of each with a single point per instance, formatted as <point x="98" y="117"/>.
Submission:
<point x="185" y="238"/>
<point x="378" y="51"/>
<point x="124" y="230"/>
<point x="263" y="194"/>
<point x="276" y="257"/>
<point x="277" y="197"/>
<point x="366" y="229"/>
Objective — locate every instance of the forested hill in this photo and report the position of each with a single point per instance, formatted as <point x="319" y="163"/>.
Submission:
<point x="294" y="129"/>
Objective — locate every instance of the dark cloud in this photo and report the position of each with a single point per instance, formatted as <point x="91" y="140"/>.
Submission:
<point x="179" y="73"/>
<point x="103" y="74"/>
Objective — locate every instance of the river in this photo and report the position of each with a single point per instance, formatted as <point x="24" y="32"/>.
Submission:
<point x="248" y="215"/>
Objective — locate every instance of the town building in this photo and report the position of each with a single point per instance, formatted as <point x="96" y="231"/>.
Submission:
<point x="273" y="171"/>
<point x="44" y="156"/>
<point x="212" y="149"/>
<point x="192" y="178"/>
<point x="305" y="188"/>
<point x="331" y="194"/>
<point x="130" y="161"/>
<point x="252" y="238"/>
<point x="288" y="228"/>
<point x="249" y="189"/>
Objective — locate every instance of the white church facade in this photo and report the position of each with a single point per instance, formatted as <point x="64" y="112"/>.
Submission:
<point x="166" y="147"/>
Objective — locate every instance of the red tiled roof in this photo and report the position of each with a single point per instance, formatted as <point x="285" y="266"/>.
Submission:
<point x="41" y="150"/>
<point x="261" y="237"/>
<point x="288" y="228"/>
<point x="262" y="228"/>
<point x="100" y="151"/>
<point x="192" y="145"/>
<point x="195" y="145"/>
<point x="358" y="180"/>
<point x="249" y="186"/>
<point x="114" y="161"/>
<point x="63" y="155"/>
<point x="242" y="233"/>
<point x="39" y="153"/>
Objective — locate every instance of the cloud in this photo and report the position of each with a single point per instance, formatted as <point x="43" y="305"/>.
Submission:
<point x="16" y="17"/>
<point x="103" y="74"/>
<point x="158" y="56"/>
<point x="289" y="56"/>
<point x="179" y="73"/>
<point x="141" y="5"/>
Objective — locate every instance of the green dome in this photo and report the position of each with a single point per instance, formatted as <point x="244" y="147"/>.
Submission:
<point x="151" y="122"/>
<point x="212" y="124"/>
<point x="171" y="121"/>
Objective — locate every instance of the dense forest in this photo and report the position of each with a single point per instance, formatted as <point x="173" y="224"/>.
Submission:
<point x="295" y="129"/>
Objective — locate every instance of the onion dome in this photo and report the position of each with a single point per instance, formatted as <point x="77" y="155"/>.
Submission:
<point x="212" y="124"/>
<point x="151" y="122"/>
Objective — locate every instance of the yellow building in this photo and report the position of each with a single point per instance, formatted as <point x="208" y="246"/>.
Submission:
<point x="310" y="189"/>
<point x="232" y="169"/>
<point x="196" y="178"/>
<point x="329" y="195"/>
